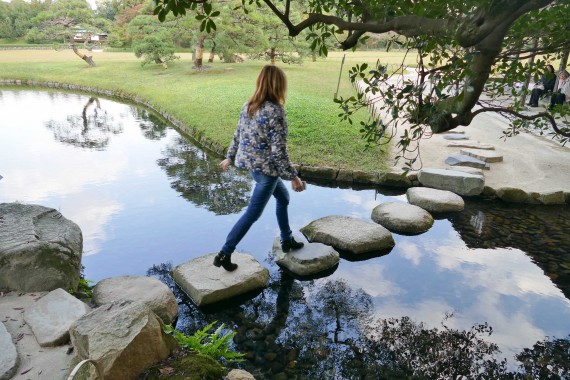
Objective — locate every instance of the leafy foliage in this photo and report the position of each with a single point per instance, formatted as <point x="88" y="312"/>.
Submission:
<point x="216" y="345"/>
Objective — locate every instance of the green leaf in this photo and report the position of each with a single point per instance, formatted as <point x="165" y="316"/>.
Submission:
<point x="200" y="17"/>
<point x="207" y="8"/>
<point x="215" y="14"/>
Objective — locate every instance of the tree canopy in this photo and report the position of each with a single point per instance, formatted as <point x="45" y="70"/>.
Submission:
<point x="469" y="56"/>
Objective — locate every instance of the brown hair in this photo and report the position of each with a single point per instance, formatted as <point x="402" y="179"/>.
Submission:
<point x="271" y="85"/>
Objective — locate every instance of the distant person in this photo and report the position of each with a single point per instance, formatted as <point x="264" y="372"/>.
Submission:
<point x="546" y="84"/>
<point x="563" y="92"/>
<point x="260" y="145"/>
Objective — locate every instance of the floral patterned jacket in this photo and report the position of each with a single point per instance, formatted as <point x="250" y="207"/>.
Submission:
<point x="260" y="142"/>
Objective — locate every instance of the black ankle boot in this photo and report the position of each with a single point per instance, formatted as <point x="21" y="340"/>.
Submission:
<point x="224" y="261"/>
<point x="291" y="244"/>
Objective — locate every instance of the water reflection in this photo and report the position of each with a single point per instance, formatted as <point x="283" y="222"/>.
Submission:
<point x="200" y="180"/>
<point x="91" y="129"/>
<point x="148" y="196"/>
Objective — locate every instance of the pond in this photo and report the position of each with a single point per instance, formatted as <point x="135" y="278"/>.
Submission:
<point x="147" y="199"/>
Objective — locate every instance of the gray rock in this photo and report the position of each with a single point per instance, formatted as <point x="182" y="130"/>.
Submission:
<point x="552" y="198"/>
<point x="319" y="172"/>
<point x="349" y="234"/>
<point x="52" y="315"/>
<point x="239" y="374"/>
<point x="40" y="250"/>
<point x="458" y="182"/>
<point x="125" y="338"/>
<point x="312" y="258"/>
<point x="205" y="283"/>
<point x="483" y="155"/>
<point x="467" y="169"/>
<point x="9" y="359"/>
<point x="149" y="290"/>
<point x="470" y="144"/>
<point x="394" y="180"/>
<point x="463" y="160"/>
<point x="402" y="217"/>
<point x="455" y="136"/>
<point x="512" y="195"/>
<point x="361" y="177"/>
<point x="434" y="200"/>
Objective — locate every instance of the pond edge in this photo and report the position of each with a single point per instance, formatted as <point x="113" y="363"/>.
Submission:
<point x="327" y="176"/>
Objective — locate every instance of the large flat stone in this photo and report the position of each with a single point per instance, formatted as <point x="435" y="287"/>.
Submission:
<point x="464" y="160"/>
<point x="455" y="181"/>
<point x="8" y="355"/>
<point x="470" y="144"/>
<point x="402" y="217"/>
<point x="205" y="284"/>
<point x="434" y="200"/>
<point x="349" y="234"/>
<point x="52" y="315"/>
<point x="151" y="291"/>
<point x="483" y="155"/>
<point x="311" y="259"/>
<point x="467" y="169"/>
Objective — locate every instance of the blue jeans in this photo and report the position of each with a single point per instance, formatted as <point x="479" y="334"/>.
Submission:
<point x="265" y="187"/>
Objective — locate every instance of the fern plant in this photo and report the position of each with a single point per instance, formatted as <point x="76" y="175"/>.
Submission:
<point x="216" y="345"/>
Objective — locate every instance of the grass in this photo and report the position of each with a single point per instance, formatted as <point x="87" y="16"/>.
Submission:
<point x="210" y="101"/>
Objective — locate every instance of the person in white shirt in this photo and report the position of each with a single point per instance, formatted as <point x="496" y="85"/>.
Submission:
<point x="563" y="93"/>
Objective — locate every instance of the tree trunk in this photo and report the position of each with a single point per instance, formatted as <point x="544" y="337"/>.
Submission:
<point x="86" y="58"/>
<point x="272" y="55"/>
<point x="212" y="53"/>
<point x="161" y="62"/>
<point x="199" y="53"/>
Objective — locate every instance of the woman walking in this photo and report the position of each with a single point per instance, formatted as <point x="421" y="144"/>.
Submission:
<point x="260" y="145"/>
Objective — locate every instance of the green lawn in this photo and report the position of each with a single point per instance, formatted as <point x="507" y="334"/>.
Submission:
<point x="210" y="101"/>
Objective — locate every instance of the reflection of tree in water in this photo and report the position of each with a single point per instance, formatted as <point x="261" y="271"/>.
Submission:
<point x="325" y="330"/>
<point x="91" y="129"/>
<point x="150" y="123"/>
<point x="540" y="231"/>
<point x="200" y="180"/>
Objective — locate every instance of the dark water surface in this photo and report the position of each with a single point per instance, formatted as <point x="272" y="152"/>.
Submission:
<point x="146" y="199"/>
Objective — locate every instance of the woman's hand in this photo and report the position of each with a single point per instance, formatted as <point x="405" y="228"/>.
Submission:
<point x="225" y="164"/>
<point x="297" y="184"/>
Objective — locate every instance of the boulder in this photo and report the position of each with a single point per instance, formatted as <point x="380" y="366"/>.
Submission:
<point x="125" y="338"/>
<point x="40" y="250"/>
<point x="205" y="284"/>
<point x="434" y="200"/>
<point x="349" y="234"/>
<point x="312" y="258"/>
<point x="149" y="290"/>
<point x="512" y="195"/>
<point x="402" y="217"/>
<point x="464" y="160"/>
<point x="458" y="182"/>
<point x="483" y="155"/>
<point x="394" y="180"/>
<point x="552" y="198"/>
<point x="52" y="315"/>
<point x="9" y="360"/>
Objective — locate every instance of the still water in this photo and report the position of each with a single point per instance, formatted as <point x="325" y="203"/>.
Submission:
<point x="147" y="199"/>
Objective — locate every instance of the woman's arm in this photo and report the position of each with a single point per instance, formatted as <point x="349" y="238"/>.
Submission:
<point x="278" y="139"/>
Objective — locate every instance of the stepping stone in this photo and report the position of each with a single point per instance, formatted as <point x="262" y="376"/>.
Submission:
<point x="471" y="144"/>
<point x="312" y="258"/>
<point x="466" y="169"/>
<point x="349" y="234"/>
<point x="402" y="217"/>
<point x="455" y="136"/>
<point x="149" y="290"/>
<point x="463" y="160"/>
<point x="434" y="200"/>
<point x="452" y="180"/>
<point x="205" y="284"/>
<point x="52" y="315"/>
<point x="483" y="155"/>
<point x="454" y="132"/>
<point x="9" y="359"/>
